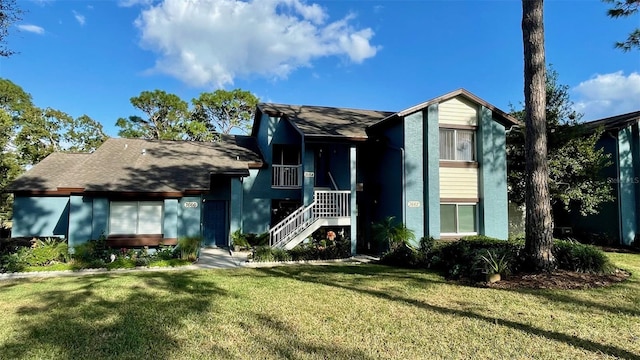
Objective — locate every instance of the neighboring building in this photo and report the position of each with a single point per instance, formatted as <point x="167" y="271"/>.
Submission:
<point x="439" y="167"/>
<point x="617" y="221"/>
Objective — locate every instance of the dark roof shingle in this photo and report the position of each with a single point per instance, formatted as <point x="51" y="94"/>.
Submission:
<point x="136" y="165"/>
<point x="320" y="121"/>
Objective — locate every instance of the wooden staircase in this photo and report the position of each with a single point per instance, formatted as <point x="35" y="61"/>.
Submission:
<point x="329" y="208"/>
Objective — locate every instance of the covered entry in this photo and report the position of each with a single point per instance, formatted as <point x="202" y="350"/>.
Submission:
<point x="215" y="223"/>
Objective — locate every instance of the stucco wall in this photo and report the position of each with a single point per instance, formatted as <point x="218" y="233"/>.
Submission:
<point x="40" y="216"/>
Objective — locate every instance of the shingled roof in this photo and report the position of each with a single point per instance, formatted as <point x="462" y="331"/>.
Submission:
<point x="136" y="165"/>
<point x="326" y="122"/>
<point x="614" y="122"/>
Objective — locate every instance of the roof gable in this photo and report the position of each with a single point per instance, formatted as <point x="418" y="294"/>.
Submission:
<point x="326" y="122"/>
<point x="499" y="115"/>
<point x="136" y="165"/>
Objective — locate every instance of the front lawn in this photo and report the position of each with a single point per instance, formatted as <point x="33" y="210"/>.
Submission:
<point x="313" y="312"/>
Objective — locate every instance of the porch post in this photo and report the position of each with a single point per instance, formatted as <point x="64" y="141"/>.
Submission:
<point x="354" y="209"/>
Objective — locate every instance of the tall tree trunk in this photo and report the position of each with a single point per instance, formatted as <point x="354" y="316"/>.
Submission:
<point x="539" y="224"/>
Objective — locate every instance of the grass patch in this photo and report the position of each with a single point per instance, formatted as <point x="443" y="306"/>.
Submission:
<point x="313" y="312"/>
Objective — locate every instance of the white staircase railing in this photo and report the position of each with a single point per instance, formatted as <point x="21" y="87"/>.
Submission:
<point x="326" y="205"/>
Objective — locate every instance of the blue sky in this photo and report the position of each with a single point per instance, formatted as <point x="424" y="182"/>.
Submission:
<point x="90" y="57"/>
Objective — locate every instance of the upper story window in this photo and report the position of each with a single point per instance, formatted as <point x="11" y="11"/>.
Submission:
<point x="135" y="217"/>
<point x="456" y="144"/>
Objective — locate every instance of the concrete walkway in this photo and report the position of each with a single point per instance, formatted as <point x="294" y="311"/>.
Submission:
<point x="210" y="258"/>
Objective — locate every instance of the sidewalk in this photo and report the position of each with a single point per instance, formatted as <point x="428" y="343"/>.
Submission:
<point x="210" y="258"/>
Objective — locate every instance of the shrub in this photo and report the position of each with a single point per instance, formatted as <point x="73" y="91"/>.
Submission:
<point x="92" y="250"/>
<point x="425" y="251"/>
<point x="239" y="239"/>
<point x="16" y="261"/>
<point x="263" y="253"/>
<point x="280" y="254"/>
<point x="165" y="252"/>
<point x="48" y="251"/>
<point x="402" y="256"/>
<point x="463" y="258"/>
<point x="189" y="247"/>
<point x="574" y="256"/>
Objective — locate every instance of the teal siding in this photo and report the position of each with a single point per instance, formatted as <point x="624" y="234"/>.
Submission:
<point x="432" y="177"/>
<point x="189" y="217"/>
<point x="237" y="201"/>
<point x="40" y="216"/>
<point x="414" y="174"/>
<point x="493" y="209"/>
<point x="100" y="220"/>
<point x="80" y="220"/>
<point x="170" y="225"/>
<point x="627" y="184"/>
<point x="256" y="215"/>
<point x="386" y="184"/>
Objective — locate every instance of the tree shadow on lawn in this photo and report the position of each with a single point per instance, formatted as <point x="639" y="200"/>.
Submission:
<point x="268" y="333"/>
<point x="317" y="277"/>
<point x="84" y="323"/>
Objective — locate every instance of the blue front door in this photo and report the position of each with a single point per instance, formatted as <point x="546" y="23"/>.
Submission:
<point x="215" y="223"/>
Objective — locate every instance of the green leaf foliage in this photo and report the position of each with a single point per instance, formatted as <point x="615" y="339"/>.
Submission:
<point x="575" y="160"/>
<point x="222" y="111"/>
<point x="626" y="8"/>
<point x="28" y="134"/>
<point x="164" y="117"/>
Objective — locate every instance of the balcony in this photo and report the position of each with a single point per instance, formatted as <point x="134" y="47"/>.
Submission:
<point x="286" y="176"/>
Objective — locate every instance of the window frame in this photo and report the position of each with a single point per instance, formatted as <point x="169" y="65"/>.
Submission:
<point x="474" y="150"/>
<point x="138" y="204"/>
<point x="476" y="224"/>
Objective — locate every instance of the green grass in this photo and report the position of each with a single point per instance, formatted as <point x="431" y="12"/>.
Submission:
<point x="312" y="312"/>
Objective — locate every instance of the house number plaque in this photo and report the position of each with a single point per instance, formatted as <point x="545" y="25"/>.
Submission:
<point x="191" y="204"/>
<point x="413" y="204"/>
<point x="309" y="174"/>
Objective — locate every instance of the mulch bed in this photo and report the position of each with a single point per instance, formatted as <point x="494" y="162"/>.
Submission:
<point x="560" y="280"/>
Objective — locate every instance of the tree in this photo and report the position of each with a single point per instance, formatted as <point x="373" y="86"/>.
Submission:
<point x="166" y="117"/>
<point x="223" y="111"/>
<point x="9" y="14"/>
<point x="626" y="8"/>
<point x="28" y="134"/>
<point x="575" y="163"/>
<point x="538" y="221"/>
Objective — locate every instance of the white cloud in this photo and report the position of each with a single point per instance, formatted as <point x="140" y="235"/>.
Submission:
<point x="211" y="42"/>
<point x="32" y="28"/>
<point x="608" y="94"/>
<point x="79" y="18"/>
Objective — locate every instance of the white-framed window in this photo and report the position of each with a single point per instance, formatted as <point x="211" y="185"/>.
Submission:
<point x="135" y="217"/>
<point x="456" y="144"/>
<point x="458" y="218"/>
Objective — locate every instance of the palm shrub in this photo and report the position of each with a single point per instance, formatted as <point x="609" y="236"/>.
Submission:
<point x="391" y="235"/>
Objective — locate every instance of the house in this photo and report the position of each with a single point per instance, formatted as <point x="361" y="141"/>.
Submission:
<point x="619" y="220"/>
<point x="439" y="167"/>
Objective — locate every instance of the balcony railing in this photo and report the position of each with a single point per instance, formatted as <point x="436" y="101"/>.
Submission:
<point x="286" y="176"/>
